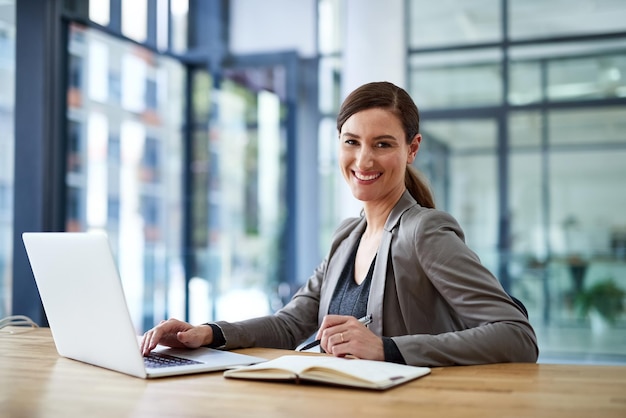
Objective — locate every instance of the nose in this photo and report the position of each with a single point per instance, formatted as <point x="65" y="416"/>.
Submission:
<point x="364" y="158"/>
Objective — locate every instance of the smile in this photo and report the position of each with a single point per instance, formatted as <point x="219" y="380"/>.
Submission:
<point x="368" y="177"/>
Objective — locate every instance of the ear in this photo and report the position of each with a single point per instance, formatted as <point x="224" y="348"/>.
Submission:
<point x="414" y="146"/>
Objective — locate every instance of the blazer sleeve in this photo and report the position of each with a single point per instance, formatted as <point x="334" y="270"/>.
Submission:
<point x="297" y="320"/>
<point x="483" y="324"/>
<point x="285" y="329"/>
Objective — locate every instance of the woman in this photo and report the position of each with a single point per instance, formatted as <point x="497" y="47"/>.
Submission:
<point x="404" y="263"/>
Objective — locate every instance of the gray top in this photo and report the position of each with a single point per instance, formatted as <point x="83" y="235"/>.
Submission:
<point x="435" y="299"/>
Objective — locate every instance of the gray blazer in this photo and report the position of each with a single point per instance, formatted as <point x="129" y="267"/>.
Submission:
<point x="429" y="292"/>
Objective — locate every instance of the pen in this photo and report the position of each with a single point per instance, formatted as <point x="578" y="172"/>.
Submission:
<point x="366" y="320"/>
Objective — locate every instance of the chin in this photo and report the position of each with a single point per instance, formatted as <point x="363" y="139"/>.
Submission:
<point x="362" y="196"/>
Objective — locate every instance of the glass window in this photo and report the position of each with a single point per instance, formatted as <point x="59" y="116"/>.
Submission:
<point x="162" y="25"/>
<point x="7" y="146"/>
<point x="456" y="80"/>
<point x="471" y="178"/>
<point x="572" y="72"/>
<point x="525" y="83"/>
<point x="179" y="12"/>
<point x="453" y="22"/>
<point x="525" y="181"/>
<point x="98" y="73"/>
<point x="329" y="30"/>
<point x="587" y="229"/>
<point x="329" y="85"/>
<point x="100" y="11"/>
<point x="566" y="219"/>
<point x="239" y="204"/>
<point x="135" y="19"/>
<point x="525" y="130"/>
<point x="474" y="203"/>
<point x="433" y="160"/>
<point x="543" y="18"/>
<point x="124" y="166"/>
<point x="592" y="77"/>
<point x="594" y="127"/>
<point x="462" y="135"/>
<point x="529" y="246"/>
<point x="586" y="204"/>
<point x="133" y="75"/>
<point x="565" y="160"/>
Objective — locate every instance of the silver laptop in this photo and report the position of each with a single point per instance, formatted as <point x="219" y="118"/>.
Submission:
<point x="84" y="301"/>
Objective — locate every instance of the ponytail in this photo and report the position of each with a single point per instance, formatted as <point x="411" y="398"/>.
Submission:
<point x="418" y="187"/>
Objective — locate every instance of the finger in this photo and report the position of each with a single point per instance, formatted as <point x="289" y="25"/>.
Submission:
<point x="331" y="321"/>
<point x="161" y="333"/>
<point x="334" y="320"/>
<point x="153" y="340"/>
<point x="146" y="343"/>
<point x="361" y="346"/>
<point x="339" y="344"/>
<point x="330" y="340"/>
<point x="142" y="344"/>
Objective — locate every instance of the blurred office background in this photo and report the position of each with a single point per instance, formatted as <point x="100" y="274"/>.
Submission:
<point x="200" y="135"/>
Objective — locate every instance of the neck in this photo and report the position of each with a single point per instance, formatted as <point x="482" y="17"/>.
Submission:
<point x="377" y="212"/>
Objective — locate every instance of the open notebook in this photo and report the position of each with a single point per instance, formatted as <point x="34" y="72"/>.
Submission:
<point x="84" y="301"/>
<point x="356" y="373"/>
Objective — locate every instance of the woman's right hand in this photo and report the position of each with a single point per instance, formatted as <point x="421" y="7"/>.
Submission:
<point x="177" y="334"/>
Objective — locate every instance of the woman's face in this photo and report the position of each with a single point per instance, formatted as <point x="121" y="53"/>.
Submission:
<point x="373" y="155"/>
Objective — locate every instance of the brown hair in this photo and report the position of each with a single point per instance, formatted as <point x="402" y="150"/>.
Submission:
<point x="396" y="100"/>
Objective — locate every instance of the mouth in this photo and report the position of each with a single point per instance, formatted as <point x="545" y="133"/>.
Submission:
<point x="366" y="177"/>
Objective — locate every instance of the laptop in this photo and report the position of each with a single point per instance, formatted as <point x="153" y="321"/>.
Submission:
<point x="84" y="301"/>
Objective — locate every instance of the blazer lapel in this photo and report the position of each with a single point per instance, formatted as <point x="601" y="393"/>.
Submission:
<point x="336" y="264"/>
<point x="377" y="289"/>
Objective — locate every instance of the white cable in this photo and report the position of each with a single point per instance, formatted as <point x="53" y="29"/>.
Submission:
<point x="17" y="321"/>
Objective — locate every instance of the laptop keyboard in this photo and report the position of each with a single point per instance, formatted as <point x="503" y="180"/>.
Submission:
<point x="159" y="360"/>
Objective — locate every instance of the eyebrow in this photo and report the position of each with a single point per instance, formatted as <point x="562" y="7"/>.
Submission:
<point x="376" y="138"/>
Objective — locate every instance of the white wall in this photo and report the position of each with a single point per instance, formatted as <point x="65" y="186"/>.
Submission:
<point x="374" y="43"/>
<point x="273" y="25"/>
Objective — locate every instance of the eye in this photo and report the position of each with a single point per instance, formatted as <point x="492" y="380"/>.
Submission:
<point x="350" y="142"/>
<point x="383" y="145"/>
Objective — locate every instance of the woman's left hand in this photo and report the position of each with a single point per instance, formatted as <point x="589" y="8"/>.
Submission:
<point x="343" y="336"/>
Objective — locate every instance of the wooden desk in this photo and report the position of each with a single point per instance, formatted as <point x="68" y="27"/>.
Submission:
<point x="36" y="382"/>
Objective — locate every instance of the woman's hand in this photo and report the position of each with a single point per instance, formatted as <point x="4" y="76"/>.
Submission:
<point x="343" y="336"/>
<point x="178" y="334"/>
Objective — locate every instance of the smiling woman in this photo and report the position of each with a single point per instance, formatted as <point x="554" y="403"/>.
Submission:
<point x="404" y="263"/>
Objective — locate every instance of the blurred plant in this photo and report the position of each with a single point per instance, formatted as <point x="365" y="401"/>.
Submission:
<point x="606" y="297"/>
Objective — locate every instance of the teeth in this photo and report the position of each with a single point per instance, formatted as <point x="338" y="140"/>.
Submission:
<point x="366" y="178"/>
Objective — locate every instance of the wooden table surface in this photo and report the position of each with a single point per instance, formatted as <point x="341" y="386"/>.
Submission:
<point x="36" y="382"/>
